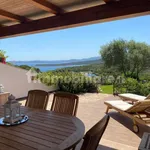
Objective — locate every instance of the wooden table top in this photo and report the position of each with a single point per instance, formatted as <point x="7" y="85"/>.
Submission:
<point x="45" y="130"/>
<point x="145" y="142"/>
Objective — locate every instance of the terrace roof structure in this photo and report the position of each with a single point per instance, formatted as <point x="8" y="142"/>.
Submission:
<point x="19" y="17"/>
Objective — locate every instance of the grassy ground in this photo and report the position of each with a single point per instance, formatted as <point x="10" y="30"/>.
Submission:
<point x="108" y="89"/>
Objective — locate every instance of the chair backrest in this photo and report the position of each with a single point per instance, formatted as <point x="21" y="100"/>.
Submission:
<point x="139" y="106"/>
<point x="65" y="103"/>
<point x="37" y="99"/>
<point x="93" y="136"/>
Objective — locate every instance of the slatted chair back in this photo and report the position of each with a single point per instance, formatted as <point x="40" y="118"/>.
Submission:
<point x="65" y="103"/>
<point x="93" y="136"/>
<point x="37" y="99"/>
<point x="139" y="106"/>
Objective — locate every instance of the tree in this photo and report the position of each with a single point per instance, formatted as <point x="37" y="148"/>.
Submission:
<point x="26" y="67"/>
<point x="3" y="54"/>
<point x="112" y="72"/>
<point x="129" y="57"/>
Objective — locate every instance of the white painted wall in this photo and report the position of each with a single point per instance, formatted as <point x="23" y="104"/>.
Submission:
<point x="15" y="81"/>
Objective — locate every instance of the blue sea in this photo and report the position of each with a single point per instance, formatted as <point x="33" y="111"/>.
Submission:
<point x="42" y="68"/>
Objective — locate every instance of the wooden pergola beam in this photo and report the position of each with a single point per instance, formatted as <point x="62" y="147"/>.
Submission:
<point x="47" y="6"/>
<point x="13" y="17"/>
<point x="86" y="16"/>
<point x="111" y="1"/>
<point x="1" y="25"/>
<point x="107" y="1"/>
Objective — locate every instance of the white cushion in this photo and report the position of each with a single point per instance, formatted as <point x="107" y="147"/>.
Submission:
<point x="119" y="104"/>
<point x="133" y="96"/>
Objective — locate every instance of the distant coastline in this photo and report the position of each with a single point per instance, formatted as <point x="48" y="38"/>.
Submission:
<point x="57" y="64"/>
<point x="72" y="63"/>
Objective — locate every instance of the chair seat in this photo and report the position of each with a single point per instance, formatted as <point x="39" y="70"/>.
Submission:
<point x="119" y="104"/>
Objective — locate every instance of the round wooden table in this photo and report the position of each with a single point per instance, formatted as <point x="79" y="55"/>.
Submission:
<point x="45" y="130"/>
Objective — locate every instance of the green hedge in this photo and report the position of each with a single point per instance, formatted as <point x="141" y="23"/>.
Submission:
<point x="69" y="81"/>
<point x="133" y="86"/>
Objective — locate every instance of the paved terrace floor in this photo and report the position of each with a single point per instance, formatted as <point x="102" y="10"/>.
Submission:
<point x="119" y="134"/>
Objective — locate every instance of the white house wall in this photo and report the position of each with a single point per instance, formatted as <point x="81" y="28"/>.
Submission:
<point x="15" y="81"/>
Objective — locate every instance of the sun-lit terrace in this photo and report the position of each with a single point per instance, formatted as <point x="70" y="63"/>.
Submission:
<point x="68" y="118"/>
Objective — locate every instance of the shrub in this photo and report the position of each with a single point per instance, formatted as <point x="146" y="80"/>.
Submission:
<point x="26" y="67"/>
<point x="145" y="77"/>
<point x="144" y="88"/>
<point x="133" y="86"/>
<point x="69" y="81"/>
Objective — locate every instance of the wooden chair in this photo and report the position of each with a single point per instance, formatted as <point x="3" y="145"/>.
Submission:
<point x="93" y="136"/>
<point x="129" y="97"/>
<point x="37" y="99"/>
<point x="65" y="103"/>
<point x="134" y="112"/>
<point x="148" y="97"/>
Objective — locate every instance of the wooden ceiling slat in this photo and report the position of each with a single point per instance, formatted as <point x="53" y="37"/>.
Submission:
<point x="13" y="17"/>
<point x="97" y="14"/>
<point x="47" y="6"/>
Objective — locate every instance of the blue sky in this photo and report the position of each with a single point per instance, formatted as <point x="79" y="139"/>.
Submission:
<point x="74" y="43"/>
